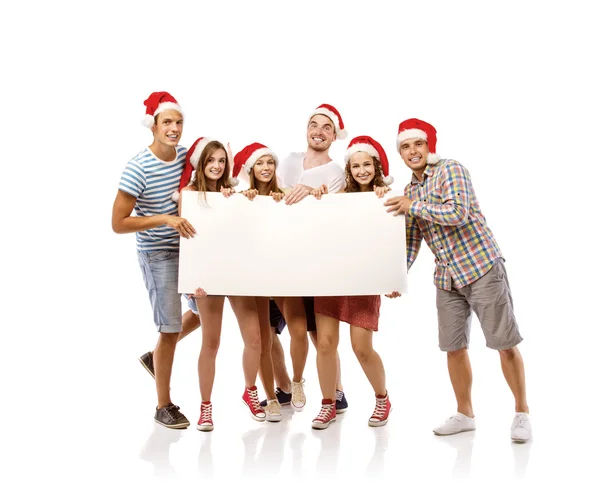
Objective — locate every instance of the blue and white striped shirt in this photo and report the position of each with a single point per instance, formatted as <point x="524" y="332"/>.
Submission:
<point x="152" y="182"/>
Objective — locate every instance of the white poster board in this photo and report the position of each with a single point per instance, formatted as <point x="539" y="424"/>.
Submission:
<point x="343" y="244"/>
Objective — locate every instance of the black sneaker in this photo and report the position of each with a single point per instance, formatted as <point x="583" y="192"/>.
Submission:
<point x="341" y="404"/>
<point x="284" y="398"/>
<point x="147" y="362"/>
<point x="171" y="417"/>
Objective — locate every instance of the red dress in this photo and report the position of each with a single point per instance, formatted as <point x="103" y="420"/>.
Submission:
<point x="361" y="311"/>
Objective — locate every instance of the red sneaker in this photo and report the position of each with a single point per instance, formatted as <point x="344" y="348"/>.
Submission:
<point x="326" y="416"/>
<point x="250" y="398"/>
<point x="383" y="407"/>
<point x="205" y="422"/>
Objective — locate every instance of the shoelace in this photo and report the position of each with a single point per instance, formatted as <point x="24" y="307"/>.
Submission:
<point x="380" y="407"/>
<point x="299" y="388"/>
<point x="325" y="412"/>
<point x="339" y="395"/>
<point x="273" y="408"/>
<point x="173" y="412"/>
<point x="253" y="394"/>
<point x="520" y="421"/>
<point x="206" y="413"/>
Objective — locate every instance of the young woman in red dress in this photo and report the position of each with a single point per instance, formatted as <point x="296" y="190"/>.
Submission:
<point x="366" y="171"/>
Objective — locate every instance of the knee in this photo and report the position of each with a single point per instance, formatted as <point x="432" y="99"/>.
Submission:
<point x="326" y="345"/>
<point x="458" y="354"/>
<point x="253" y="343"/>
<point x="508" y="354"/>
<point x="210" y="347"/>
<point x="362" y="353"/>
<point x="169" y="338"/>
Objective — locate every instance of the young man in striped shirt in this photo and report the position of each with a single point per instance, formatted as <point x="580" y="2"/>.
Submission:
<point x="146" y="186"/>
<point x="440" y="206"/>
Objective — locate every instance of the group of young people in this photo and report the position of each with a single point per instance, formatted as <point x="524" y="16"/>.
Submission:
<point x="439" y="205"/>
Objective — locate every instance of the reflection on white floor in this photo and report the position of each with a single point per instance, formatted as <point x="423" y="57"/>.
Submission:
<point x="349" y="452"/>
<point x="111" y="443"/>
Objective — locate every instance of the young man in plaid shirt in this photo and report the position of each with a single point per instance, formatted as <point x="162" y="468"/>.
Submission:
<point x="440" y="207"/>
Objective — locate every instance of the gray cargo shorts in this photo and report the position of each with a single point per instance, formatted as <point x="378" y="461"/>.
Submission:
<point x="489" y="297"/>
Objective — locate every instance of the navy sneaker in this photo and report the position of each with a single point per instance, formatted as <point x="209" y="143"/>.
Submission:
<point x="341" y="404"/>
<point x="284" y="398"/>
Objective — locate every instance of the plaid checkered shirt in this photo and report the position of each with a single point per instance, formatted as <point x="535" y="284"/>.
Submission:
<point x="445" y="212"/>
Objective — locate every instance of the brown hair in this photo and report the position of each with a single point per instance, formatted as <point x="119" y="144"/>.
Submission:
<point x="377" y="181"/>
<point x="273" y="186"/>
<point x="199" y="180"/>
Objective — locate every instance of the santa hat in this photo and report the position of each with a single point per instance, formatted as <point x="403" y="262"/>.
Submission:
<point x="334" y="115"/>
<point x="191" y="164"/>
<point x="418" y="129"/>
<point x="248" y="156"/>
<point x="156" y="103"/>
<point x="364" y="143"/>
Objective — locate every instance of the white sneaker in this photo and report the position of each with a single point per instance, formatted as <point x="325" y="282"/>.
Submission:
<point x="298" y="396"/>
<point x="520" y="431"/>
<point x="273" y="411"/>
<point x="455" y="424"/>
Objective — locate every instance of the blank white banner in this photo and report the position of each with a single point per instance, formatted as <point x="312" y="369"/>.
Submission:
<point x="343" y="244"/>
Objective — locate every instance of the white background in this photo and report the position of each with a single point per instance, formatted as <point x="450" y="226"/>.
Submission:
<point x="511" y="88"/>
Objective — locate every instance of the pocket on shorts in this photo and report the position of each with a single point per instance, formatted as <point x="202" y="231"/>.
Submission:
<point x="497" y="270"/>
<point x="161" y="255"/>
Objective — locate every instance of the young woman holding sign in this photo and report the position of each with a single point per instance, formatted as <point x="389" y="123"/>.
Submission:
<point x="366" y="171"/>
<point x="259" y="163"/>
<point x="212" y="164"/>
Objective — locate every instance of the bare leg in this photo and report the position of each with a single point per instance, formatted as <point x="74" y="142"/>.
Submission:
<point x="459" y="368"/>
<point x="246" y="313"/>
<point x="279" y="369"/>
<point x="266" y="336"/>
<point x="163" y="365"/>
<point x="369" y="359"/>
<point x="190" y="322"/>
<point x="328" y="334"/>
<point x="514" y="373"/>
<point x="211" y="313"/>
<point x="338" y="383"/>
<point x="295" y="317"/>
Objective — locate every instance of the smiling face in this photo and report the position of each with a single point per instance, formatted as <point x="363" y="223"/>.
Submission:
<point x="264" y="169"/>
<point x="214" y="166"/>
<point x="362" y="167"/>
<point x="168" y="127"/>
<point x="320" y="133"/>
<point x="414" y="153"/>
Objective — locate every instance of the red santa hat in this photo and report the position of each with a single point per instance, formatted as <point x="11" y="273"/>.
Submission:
<point x="418" y="129"/>
<point x="248" y="156"/>
<point x="156" y="103"/>
<point x="367" y="144"/>
<point x="334" y="115"/>
<point x="191" y="164"/>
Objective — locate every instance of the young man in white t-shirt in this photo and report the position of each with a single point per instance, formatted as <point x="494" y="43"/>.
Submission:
<point x="304" y="172"/>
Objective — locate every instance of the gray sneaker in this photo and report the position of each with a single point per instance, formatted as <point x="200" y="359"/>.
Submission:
<point x="171" y="417"/>
<point x="147" y="362"/>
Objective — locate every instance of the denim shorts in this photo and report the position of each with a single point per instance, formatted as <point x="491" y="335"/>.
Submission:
<point x="191" y="303"/>
<point x="160" y="269"/>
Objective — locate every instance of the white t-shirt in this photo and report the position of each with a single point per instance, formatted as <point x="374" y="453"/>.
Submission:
<point x="291" y="172"/>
